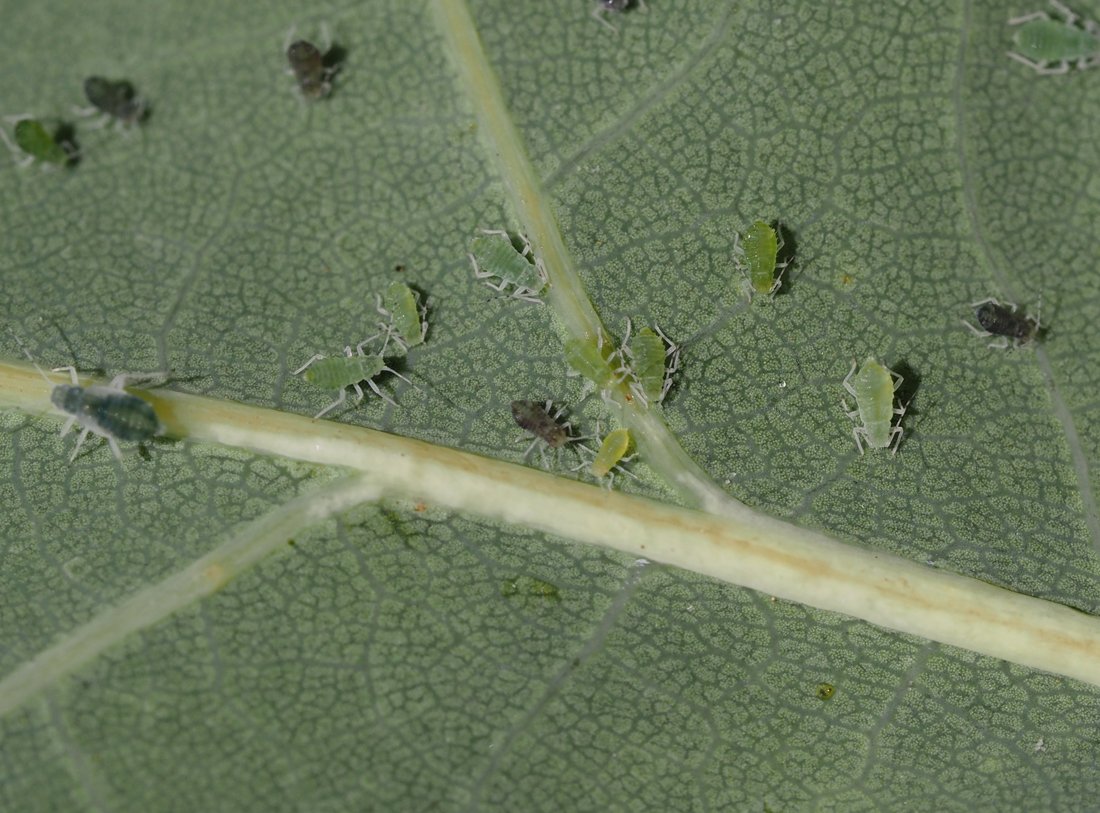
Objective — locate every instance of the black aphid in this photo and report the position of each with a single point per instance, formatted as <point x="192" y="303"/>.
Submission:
<point x="1001" y="319"/>
<point x="118" y="100"/>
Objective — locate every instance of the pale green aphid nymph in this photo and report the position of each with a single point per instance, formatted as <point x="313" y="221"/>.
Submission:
<point x="1049" y="46"/>
<point x="873" y="388"/>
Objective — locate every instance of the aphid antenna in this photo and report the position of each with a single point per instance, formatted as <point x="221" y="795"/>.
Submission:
<point x="30" y="358"/>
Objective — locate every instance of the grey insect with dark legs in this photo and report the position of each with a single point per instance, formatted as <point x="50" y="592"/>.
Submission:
<point x="108" y="411"/>
<point x="540" y="420"/>
<point x="1001" y="319"/>
<point x="307" y="64"/>
<point x="1049" y="46"/>
<point x="116" y="100"/>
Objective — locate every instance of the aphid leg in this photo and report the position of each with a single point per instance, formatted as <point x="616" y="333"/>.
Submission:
<point x="324" y="42"/>
<point x="524" y="293"/>
<point x="115" y="450"/>
<point x="898" y="380"/>
<point x="976" y="331"/>
<point x="392" y="371"/>
<point x="1039" y="67"/>
<point x="895" y="439"/>
<point x="379" y="392"/>
<point x="1066" y="14"/>
<point x="313" y="358"/>
<point x="1027" y="18"/>
<point x="600" y="15"/>
<point x="71" y="371"/>
<point x="848" y="381"/>
<point x="359" y="395"/>
<point x="79" y="443"/>
<point x="1001" y="344"/>
<point x="853" y="414"/>
<point x="856" y="431"/>
<point x="68" y="425"/>
<point x="20" y="158"/>
<point x="339" y="400"/>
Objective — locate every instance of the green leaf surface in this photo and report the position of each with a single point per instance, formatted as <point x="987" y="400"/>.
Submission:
<point x="230" y="624"/>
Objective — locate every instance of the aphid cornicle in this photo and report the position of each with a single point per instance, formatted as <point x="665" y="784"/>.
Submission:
<point x="873" y="388"/>
<point x="341" y="372"/>
<point x="756" y="254"/>
<point x="116" y="100"/>
<point x="1050" y="46"/>
<point x="108" y="411"/>
<point x="406" y="323"/>
<point x="495" y="258"/>
<point x="33" y="142"/>
<point x="1001" y="319"/>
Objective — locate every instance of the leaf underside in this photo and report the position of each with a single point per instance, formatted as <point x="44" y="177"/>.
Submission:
<point x="384" y="659"/>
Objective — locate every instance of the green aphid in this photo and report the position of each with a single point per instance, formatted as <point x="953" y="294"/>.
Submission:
<point x="653" y="360"/>
<point x="612" y="451"/>
<point x="340" y="372"/>
<point x="33" y="142"/>
<point x="597" y="361"/>
<point x="501" y="266"/>
<point x="825" y="691"/>
<point x="756" y="253"/>
<point x="406" y="324"/>
<point x="1049" y="46"/>
<point x="529" y="585"/>
<point x="873" y="388"/>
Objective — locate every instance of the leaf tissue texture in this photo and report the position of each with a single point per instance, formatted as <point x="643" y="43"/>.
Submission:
<point x="391" y="655"/>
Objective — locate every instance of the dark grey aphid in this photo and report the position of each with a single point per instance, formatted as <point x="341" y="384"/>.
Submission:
<point x="307" y="64"/>
<point x="108" y="411"/>
<point x="1001" y="319"/>
<point x="117" y="100"/>
<point x="535" y="417"/>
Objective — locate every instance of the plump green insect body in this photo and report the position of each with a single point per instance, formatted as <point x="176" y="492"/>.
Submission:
<point x="338" y="372"/>
<point x="1050" y="46"/>
<point x="648" y="354"/>
<point x="592" y="360"/>
<point x="653" y="360"/>
<point x="499" y="265"/>
<point x="756" y="254"/>
<point x="405" y="314"/>
<point x="33" y="139"/>
<point x="1052" y="41"/>
<point x="348" y="370"/>
<point x="873" y="388"/>
<point x="612" y="449"/>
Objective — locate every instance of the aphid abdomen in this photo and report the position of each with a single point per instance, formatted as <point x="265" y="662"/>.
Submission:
<point x="32" y="138"/>
<point x="532" y="416"/>
<point x="761" y="246"/>
<point x="1003" y="321"/>
<point x="342" y="371"/>
<point x="402" y="306"/>
<point x="873" y="387"/>
<point x="117" y="99"/>
<point x="591" y="360"/>
<point x="1054" y="41"/>
<point x="612" y="449"/>
<point x="495" y="255"/>
<point x="308" y="65"/>
<point x="117" y="415"/>
<point x="648" y="353"/>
